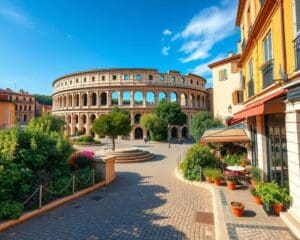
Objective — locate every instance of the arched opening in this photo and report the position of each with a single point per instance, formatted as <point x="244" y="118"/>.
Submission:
<point x="138" y="98"/>
<point x="126" y="98"/>
<point x="150" y="98"/>
<point x="174" y="133"/>
<point x="83" y="118"/>
<point x="162" y="96"/>
<point x="199" y="101"/>
<point x="114" y="98"/>
<point x="203" y="102"/>
<point x="183" y="99"/>
<point x="75" y="130"/>
<point x="76" y="99"/>
<point x="68" y="130"/>
<point x="68" y="118"/>
<point x="70" y="101"/>
<point x="83" y="131"/>
<point x="103" y="97"/>
<point x="137" y="118"/>
<point x="64" y="101"/>
<point x="24" y="118"/>
<point x="173" y="97"/>
<point x="84" y="99"/>
<point x="184" y="132"/>
<point x="193" y="100"/>
<point x="185" y="119"/>
<point x="92" y="118"/>
<point x="75" y="118"/>
<point x="93" y="99"/>
<point x="138" y="133"/>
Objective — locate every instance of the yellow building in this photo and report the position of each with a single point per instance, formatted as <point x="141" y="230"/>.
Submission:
<point x="270" y="63"/>
<point x="7" y="112"/>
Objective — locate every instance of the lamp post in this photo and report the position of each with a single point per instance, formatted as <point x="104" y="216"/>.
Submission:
<point x="230" y="108"/>
<point x="169" y="136"/>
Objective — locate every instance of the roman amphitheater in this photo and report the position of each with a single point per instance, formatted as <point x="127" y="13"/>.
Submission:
<point x="82" y="96"/>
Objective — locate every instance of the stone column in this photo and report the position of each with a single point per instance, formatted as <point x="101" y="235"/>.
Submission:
<point x="261" y="143"/>
<point x="72" y="124"/>
<point x="88" y="125"/>
<point x="88" y="99"/>
<point x="108" y="98"/>
<point x="98" y="99"/>
<point x="131" y="98"/>
<point x="120" y="100"/>
<point x="144" y="99"/>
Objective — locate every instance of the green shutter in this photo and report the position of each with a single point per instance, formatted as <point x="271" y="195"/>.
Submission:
<point x="297" y="15"/>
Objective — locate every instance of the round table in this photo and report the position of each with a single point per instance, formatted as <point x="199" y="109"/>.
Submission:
<point x="235" y="168"/>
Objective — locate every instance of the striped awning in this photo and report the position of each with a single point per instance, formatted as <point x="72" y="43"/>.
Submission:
<point x="225" y="135"/>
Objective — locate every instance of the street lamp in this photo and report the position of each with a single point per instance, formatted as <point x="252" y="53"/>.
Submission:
<point x="230" y="108"/>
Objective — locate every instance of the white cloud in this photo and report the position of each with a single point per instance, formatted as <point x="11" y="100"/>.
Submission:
<point x="208" y="27"/>
<point x="165" y="50"/>
<point x="15" y="16"/>
<point x="167" y="32"/>
<point x="203" y="69"/>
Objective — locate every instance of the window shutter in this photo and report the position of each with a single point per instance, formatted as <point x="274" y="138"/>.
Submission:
<point x="297" y="15"/>
<point x="270" y="46"/>
<point x="265" y="50"/>
<point x="225" y="74"/>
<point x="234" y="98"/>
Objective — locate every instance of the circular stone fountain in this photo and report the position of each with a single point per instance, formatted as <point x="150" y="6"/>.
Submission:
<point x="128" y="155"/>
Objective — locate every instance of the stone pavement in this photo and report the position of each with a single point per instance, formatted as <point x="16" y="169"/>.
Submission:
<point x="145" y="202"/>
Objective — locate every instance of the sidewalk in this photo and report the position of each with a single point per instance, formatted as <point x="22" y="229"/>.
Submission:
<point x="255" y="224"/>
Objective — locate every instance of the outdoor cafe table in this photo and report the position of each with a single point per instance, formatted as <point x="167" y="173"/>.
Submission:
<point x="235" y="168"/>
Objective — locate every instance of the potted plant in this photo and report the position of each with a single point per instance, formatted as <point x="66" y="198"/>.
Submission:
<point x="208" y="173"/>
<point x="281" y="198"/>
<point x="231" y="182"/>
<point x="256" y="176"/>
<point x="256" y="197"/>
<point x="217" y="176"/>
<point x="237" y="209"/>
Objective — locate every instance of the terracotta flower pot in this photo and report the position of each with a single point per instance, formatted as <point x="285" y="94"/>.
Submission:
<point x="230" y="185"/>
<point x="237" y="209"/>
<point x="208" y="180"/>
<point x="257" y="200"/>
<point x="253" y="183"/>
<point x="277" y="207"/>
<point x="217" y="182"/>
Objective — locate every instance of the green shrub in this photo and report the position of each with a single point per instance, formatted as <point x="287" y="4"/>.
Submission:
<point x="234" y="159"/>
<point x="85" y="139"/>
<point x="197" y="156"/>
<point x="256" y="174"/>
<point x="10" y="209"/>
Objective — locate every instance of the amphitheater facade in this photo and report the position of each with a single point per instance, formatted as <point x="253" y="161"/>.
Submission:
<point x="83" y="96"/>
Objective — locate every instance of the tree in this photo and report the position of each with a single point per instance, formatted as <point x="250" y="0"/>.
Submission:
<point x="115" y="123"/>
<point x="43" y="99"/>
<point x="171" y="113"/>
<point x="156" y="126"/>
<point x="202" y="121"/>
<point x="47" y="123"/>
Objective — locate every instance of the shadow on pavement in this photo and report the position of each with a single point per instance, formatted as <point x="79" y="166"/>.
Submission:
<point x="122" y="210"/>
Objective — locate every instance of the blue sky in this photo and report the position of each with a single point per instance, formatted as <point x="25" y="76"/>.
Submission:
<point x="42" y="40"/>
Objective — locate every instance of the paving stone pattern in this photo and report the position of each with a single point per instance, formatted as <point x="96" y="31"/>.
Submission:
<point x="145" y="202"/>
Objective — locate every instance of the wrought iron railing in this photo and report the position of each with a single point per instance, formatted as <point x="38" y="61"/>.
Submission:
<point x="268" y="74"/>
<point x="297" y="53"/>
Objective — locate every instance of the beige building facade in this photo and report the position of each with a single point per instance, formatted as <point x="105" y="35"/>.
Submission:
<point x="227" y="87"/>
<point x="81" y="97"/>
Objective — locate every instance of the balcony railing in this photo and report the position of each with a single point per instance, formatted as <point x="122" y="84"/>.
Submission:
<point x="297" y="53"/>
<point x="268" y="74"/>
<point x="250" y="88"/>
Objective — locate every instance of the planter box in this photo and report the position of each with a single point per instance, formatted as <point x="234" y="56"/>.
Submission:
<point x="106" y="167"/>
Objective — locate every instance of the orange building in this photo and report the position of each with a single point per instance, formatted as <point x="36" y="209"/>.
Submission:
<point x="7" y="111"/>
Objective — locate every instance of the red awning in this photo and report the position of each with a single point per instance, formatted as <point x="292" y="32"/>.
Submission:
<point x="263" y="106"/>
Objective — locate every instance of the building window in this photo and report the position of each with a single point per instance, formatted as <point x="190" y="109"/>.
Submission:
<point x="71" y="82"/>
<point x="162" y="78"/>
<point x="297" y="33"/>
<point x="114" y="77"/>
<point x="223" y="75"/>
<point x="173" y="79"/>
<point x="250" y="66"/>
<point x="182" y="80"/>
<point x="191" y="81"/>
<point x="103" y="78"/>
<point x="93" y="79"/>
<point x="237" y="97"/>
<point x="138" y="77"/>
<point x="267" y="68"/>
<point x="76" y="80"/>
<point x="21" y="108"/>
<point x="197" y="83"/>
<point x="84" y="80"/>
<point x="126" y="77"/>
<point x="150" y="77"/>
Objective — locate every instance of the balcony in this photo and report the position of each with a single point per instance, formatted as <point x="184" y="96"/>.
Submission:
<point x="250" y="88"/>
<point x="267" y="73"/>
<point x="297" y="53"/>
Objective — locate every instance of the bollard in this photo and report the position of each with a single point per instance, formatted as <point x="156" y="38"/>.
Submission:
<point x="73" y="184"/>
<point x="41" y="196"/>
<point x="200" y="173"/>
<point x="93" y="179"/>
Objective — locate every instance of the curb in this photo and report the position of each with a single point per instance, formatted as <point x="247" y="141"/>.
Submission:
<point x="219" y="219"/>
<point x="49" y="206"/>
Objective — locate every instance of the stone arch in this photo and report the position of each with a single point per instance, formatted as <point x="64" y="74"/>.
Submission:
<point x="137" y="118"/>
<point x="138" y="133"/>
<point x="75" y="130"/>
<point x="93" y="99"/>
<point x="68" y="118"/>
<point x="150" y="98"/>
<point x="76" y="99"/>
<point x="199" y="104"/>
<point x="138" y="98"/>
<point x="92" y="118"/>
<point x="174" y="133"/>
<point x="83" y="118"/>
<point x="70" y="100"/>
<point x="75" y="118"/>
<point x="183" y="99"/>
<point x="193" y="100"/>
<point x="25" y="118"/>
<point x="173" y="97"/>
<point x="83" y="129"/>
<point x="114" y="98"/>
<point x="64" y="101"/>
<point x="84" y="99"/>
<point x="126" y="98"/>
<point x="162" y="96"/>
<point x="103" y="98"/>
<point x="184" y="132"/>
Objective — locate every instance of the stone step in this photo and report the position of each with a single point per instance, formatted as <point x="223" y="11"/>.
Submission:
<point x="148" y="158"/>
<point x="130" y="155"/>
<point x="133" y="157"/>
